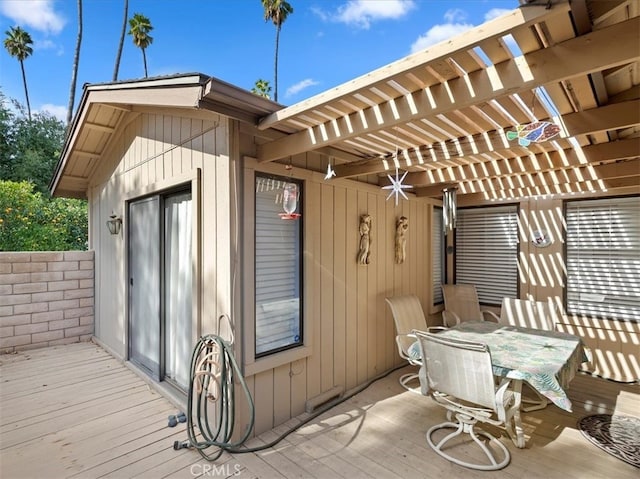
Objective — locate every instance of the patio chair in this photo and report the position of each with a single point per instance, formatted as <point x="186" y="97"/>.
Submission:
<point x="461" y="304"/>
<point x="408" y="315"/>
<point x="458" y="376"/>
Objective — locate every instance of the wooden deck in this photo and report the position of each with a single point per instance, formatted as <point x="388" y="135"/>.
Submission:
<point x="75" y="411"/>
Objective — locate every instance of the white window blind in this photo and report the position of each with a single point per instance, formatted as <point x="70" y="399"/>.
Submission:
<point x="487" y="251"/>
<point x="603" y="257"/>
<point x="278" y="271"/>
<point x="437" y="252"/>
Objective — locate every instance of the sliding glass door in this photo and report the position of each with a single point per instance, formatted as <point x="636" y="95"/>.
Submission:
<point x="160" y="286"/>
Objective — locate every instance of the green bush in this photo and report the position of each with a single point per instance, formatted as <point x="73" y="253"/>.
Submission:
<point x="31" y="222"/>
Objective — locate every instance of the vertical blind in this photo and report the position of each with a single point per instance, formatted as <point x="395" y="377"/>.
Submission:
<point x="278" y="271"/>
<point x="437" y="253"/>
<point x="487" y="251"/>
<point x="603" y="257"/>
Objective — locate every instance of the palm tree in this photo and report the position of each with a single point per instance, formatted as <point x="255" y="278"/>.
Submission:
<point x="140" y="28"/>
<point x="262" y="88"/>
<point x="76" y="60"/>
<point x="18" y="44"/>
<point x="121" y="44"/>
<point x="277" y="11"/>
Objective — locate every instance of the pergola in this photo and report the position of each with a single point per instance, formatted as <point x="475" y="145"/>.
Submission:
<point x="444" y="114"/>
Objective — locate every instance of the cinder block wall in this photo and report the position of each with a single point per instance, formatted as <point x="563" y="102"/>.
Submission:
<point x="46" y="298"/>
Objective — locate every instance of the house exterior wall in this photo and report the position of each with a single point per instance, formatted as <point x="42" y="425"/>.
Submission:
<point x="350" y="330"/>
<point x="46" y="299"/>
<point x="614" y="345"/>
<point x="157" y="151"/>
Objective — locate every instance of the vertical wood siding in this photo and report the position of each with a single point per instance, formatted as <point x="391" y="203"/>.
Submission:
<point x="152" y="152"/>
<point x="352" y="330"/>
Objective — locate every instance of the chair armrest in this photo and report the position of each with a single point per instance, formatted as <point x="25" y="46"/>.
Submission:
<point x="490" y="316"/>
<point x="435" y="329"/>
<point x="449" y="318"/>
<point x="403" y="345"/>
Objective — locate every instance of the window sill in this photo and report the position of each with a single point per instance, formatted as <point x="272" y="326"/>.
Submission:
<point x="275" y="360"/>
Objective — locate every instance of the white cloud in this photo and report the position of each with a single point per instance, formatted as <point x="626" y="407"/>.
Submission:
<point x="60" y="112"/>
<point x="48" y="45"/>
<point x="495" y="13"/>
<point x="455" y="24"/>
<point x="455" y="15"/>
<point x="35" y="14"/>
<point x="361" y="13"/>
<point x="298" y="87"/>
<point x="439" y="33"/>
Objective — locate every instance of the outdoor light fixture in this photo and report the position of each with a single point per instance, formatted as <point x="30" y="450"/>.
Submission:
<point x="114" y="224"/>
<point x="449" y="208"/>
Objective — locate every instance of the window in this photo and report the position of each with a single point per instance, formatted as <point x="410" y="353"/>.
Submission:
<point x="487" y="251"/>
<point x="437" y="253"/>
<point x="278" y="269"/>
<point x="603" y="257"/>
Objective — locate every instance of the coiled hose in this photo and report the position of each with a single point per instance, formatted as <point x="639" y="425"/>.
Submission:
<point x="213" y="369"/>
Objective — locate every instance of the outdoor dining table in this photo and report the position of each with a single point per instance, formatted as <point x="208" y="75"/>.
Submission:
<point x="546" y="360"/>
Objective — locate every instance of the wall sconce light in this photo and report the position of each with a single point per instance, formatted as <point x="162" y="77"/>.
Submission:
<point x="114" y="224"/>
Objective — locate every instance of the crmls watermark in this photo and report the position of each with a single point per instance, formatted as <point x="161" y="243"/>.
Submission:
<point x="214" y="470"/>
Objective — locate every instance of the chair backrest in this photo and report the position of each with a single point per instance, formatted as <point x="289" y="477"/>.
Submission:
<point x="462" y="299"/>
<point x="461" y="369"/>
<point x="408" y="315"/>
<point x="529" y="314"/>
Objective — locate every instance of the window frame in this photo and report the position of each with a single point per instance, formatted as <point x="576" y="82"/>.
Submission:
<point x="611" y="200"/>
<point x="516" y="254"/>
<point x="299" y="237"/>
<point x="251" y="364"/>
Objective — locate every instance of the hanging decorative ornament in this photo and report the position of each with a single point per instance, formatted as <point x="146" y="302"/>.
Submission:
<point x="330" y="172"/>
<point x="397" y="187"/>
<point x="535" y="132"/>
<point x="290" y="202"/>
<point x="449" y="208"/>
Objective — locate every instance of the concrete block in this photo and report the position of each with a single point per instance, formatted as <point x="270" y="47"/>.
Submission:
<point x="6" y="311"/>
<point x="15" y="278"/>
<point x="47" y="316"/>
<point x="31" y="328"/>
<point x="15" y="257"/>
<point x="78" y="331"/>
<point x="47" y="336"/>
<point x="7" y="331"/>
<point x="63" y="323"/>
<point x="14" y="299"/>
<point x="78" y="255"/>
<point x="48" y="296"/>
<point x="29" y="288"/>
<point x="15" y="341"/>
<point x="46" y="256"/>
<point x="15" y="319"/>
<point x="78" y="312"/>
<point x="66" y="304"/>
<point x="62" y="266"/>
<point x="80" y="274"/>
<point x="50" y="276"/>
<point x="78" y="293"/>
<point x="29" y="267"/>
<point x="86" y="265"/>
<point x="6" y="289"/>
<point x="63" y="285"/>
<point x="31" y="308"/>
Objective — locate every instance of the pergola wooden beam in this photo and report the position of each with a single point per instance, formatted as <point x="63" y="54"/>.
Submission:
<point x="551" y="180"/>
<point x="532" y="163"/>
<point x="578" y="56"/>
<point x="519" y="18"/>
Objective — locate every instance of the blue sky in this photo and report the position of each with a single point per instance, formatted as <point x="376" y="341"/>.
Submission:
<point x="324" y="43"/>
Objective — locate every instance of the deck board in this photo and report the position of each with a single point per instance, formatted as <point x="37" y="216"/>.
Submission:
<point x="97" y="418"/>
